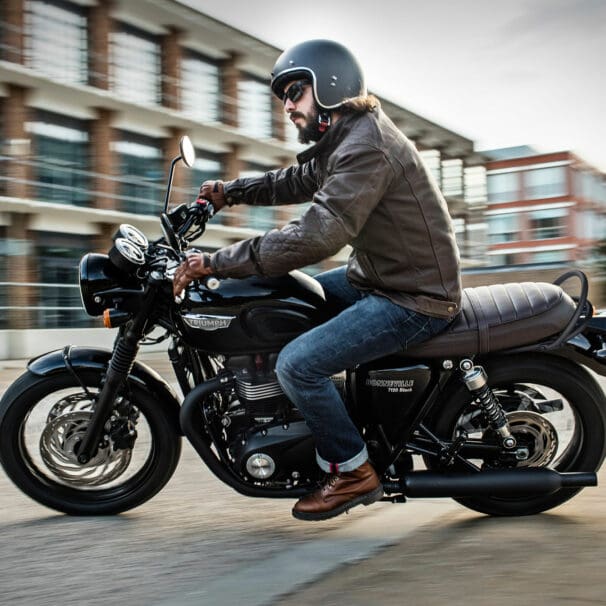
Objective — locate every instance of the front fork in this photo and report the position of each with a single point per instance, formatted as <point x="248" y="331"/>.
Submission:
<point x="120" y="365"/>
<point x="476" y="381"/>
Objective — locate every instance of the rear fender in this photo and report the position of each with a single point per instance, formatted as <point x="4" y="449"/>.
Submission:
<point x="589" y="346"/>
<point x="141" y="376"/>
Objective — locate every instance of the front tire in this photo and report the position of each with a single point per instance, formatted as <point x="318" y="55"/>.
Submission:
<point x="42" y="420"/>
<point x="554" y="407"/>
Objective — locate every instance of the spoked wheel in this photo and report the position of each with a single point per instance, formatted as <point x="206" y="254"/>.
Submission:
<point x="555" y="410"/>
<point x="42" y="423"/>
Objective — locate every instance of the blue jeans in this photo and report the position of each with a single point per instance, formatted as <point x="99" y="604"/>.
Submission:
<point x="367" y="327"/>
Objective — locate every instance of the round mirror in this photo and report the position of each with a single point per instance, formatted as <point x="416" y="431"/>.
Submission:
<point x="188" y="153"/>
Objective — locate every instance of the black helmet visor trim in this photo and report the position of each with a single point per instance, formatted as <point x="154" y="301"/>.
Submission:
<point x="288" y="75"/>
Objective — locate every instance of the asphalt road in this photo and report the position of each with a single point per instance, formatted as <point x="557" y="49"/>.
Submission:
<point x="198" y="542"/>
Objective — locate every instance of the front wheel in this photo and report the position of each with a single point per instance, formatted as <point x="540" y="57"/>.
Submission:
<point x="556" y="412"/>
<point x="42" y="421"/>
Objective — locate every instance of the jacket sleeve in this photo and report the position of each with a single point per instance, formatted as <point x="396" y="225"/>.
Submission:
<point x="291" y="185"/>
<point x="355" y="185"/>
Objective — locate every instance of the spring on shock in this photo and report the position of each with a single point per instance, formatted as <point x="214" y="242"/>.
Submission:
<point x="476" y="381"/>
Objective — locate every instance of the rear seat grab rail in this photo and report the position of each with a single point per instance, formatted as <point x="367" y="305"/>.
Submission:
<point x="581" y="315"/>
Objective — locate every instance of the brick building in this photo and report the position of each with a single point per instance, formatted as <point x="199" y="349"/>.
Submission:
<point x="543" y="207"/>
<point x="94" y="96"/>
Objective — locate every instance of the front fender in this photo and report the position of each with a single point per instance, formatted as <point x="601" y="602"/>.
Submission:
<point x="90" y="358"/>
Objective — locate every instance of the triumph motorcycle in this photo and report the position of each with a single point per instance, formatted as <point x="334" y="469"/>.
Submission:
<point x="499" y="412"/>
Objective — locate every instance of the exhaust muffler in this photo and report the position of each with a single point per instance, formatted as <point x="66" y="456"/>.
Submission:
<point x="492" y="483"/>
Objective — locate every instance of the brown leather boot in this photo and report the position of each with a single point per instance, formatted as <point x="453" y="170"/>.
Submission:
<point x="340" y="493"/>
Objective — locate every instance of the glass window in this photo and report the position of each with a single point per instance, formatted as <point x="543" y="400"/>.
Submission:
<point x="452" y="177"/>
<point x="503" y="187"/>
<point x="56" y="39"/>
<point x="503" y="228"/>
<point x="254" y="108"/>
<point x="58" y="256"/>
<point x="545" y="182"/>
<point x="206" y="167"/>
<point x="475" y="184"/>
<point x="550" y="223"/>
<point x="135" y="65"/>
<point x="259" y="217"/>
<point x="549" y="256"/>
<point x="200" y="88"/>
<point x="142" y="186"/>
<point x="61" y="160"/>
<point x="503" y="259"/>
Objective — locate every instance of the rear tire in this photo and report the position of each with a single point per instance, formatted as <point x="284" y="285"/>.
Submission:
<point x="41" y="418"/>
<point x="574" y="441"/>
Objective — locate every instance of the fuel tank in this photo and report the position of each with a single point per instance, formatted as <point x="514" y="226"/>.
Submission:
<point x="252" y="315"/>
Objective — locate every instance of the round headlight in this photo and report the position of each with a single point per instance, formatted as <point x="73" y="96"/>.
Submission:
<point x="95" y="276"/>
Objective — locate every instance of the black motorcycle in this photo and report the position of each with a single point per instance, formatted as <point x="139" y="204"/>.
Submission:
<point x="499" y="412"/>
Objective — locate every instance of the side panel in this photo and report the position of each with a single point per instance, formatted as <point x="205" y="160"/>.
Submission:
<point x="141" y="375"/>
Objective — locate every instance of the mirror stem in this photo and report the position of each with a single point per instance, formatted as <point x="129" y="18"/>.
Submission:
<point x="170" y="182"/>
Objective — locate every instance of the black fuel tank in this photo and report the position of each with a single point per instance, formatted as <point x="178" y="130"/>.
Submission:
<point x="252" y="315"/>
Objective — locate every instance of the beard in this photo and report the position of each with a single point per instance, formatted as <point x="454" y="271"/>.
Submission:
<point x="311" y="131"/>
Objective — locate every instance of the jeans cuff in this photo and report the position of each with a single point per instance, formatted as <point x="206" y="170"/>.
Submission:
<point x="349" y="465"/>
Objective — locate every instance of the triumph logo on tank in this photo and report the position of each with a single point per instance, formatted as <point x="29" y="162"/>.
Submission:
<point x="392" y="385"/>
<point x="203" y="322"/>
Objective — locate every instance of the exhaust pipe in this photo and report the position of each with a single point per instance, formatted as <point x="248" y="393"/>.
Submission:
<point x="492" y="483"/>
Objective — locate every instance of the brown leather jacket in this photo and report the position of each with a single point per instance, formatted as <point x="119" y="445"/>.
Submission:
<point x="371" y="190"/>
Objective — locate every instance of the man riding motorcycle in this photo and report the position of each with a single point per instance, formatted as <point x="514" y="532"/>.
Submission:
<point x="371" y="190"/>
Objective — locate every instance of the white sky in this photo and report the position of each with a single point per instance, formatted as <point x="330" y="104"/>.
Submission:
<point x="500" y="72"/>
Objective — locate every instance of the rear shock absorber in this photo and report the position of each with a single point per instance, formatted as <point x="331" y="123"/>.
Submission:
<point x="476" y="381"/>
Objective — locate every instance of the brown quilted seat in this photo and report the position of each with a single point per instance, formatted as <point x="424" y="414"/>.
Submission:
<point x="501" y="316"/>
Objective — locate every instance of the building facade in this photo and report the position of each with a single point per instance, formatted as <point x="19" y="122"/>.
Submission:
<point x="543" y="208"/>
<point x="94" y="97"/>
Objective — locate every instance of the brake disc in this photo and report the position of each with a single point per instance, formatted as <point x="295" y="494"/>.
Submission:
<point x="58" y="448"/>
<point x="535" y="432"/>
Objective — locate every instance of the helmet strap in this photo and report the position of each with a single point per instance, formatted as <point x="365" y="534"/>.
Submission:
<point x="324" y="121"/>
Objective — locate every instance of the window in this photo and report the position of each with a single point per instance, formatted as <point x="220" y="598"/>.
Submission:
<point x="545" y="182"/>
<point x="207" y="167"/>
<point x="503" y="259"/>
<point x="255" y="108"/>
<point x="475" y="184"/>
<point x="503" y="187"/>
<point x="58" y="256"/>
<point x="259" y="217"/>
<point x="61" y="159"/>
<point x="549" y="256"/>
<point x="200" y="88"/>
<point x="135" y="67"/>
<point x="142" y="185"/>
<point x="503" y="228"/>
<point x="56" y="39"/>
<point x="452" y="177"/>
<point x="549" y="223"/>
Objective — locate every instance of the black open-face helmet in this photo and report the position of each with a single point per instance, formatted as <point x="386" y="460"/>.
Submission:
<point x="333" y="71"/>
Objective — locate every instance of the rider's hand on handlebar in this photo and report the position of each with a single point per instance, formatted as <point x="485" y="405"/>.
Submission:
<point x="213" y="191"/>
<point x="195" y="266"/>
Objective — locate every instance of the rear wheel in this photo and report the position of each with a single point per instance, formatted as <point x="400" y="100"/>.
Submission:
<point x="42" y="421"/>
<point x="555" y="411"/>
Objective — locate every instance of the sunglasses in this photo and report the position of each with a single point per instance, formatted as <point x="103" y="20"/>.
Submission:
<point x="295" y="91"/>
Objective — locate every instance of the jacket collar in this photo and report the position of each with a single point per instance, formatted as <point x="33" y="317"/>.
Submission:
<point x="331" y="139"/>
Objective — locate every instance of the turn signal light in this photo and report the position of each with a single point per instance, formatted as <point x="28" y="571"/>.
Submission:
<point x="114" y="317"/>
